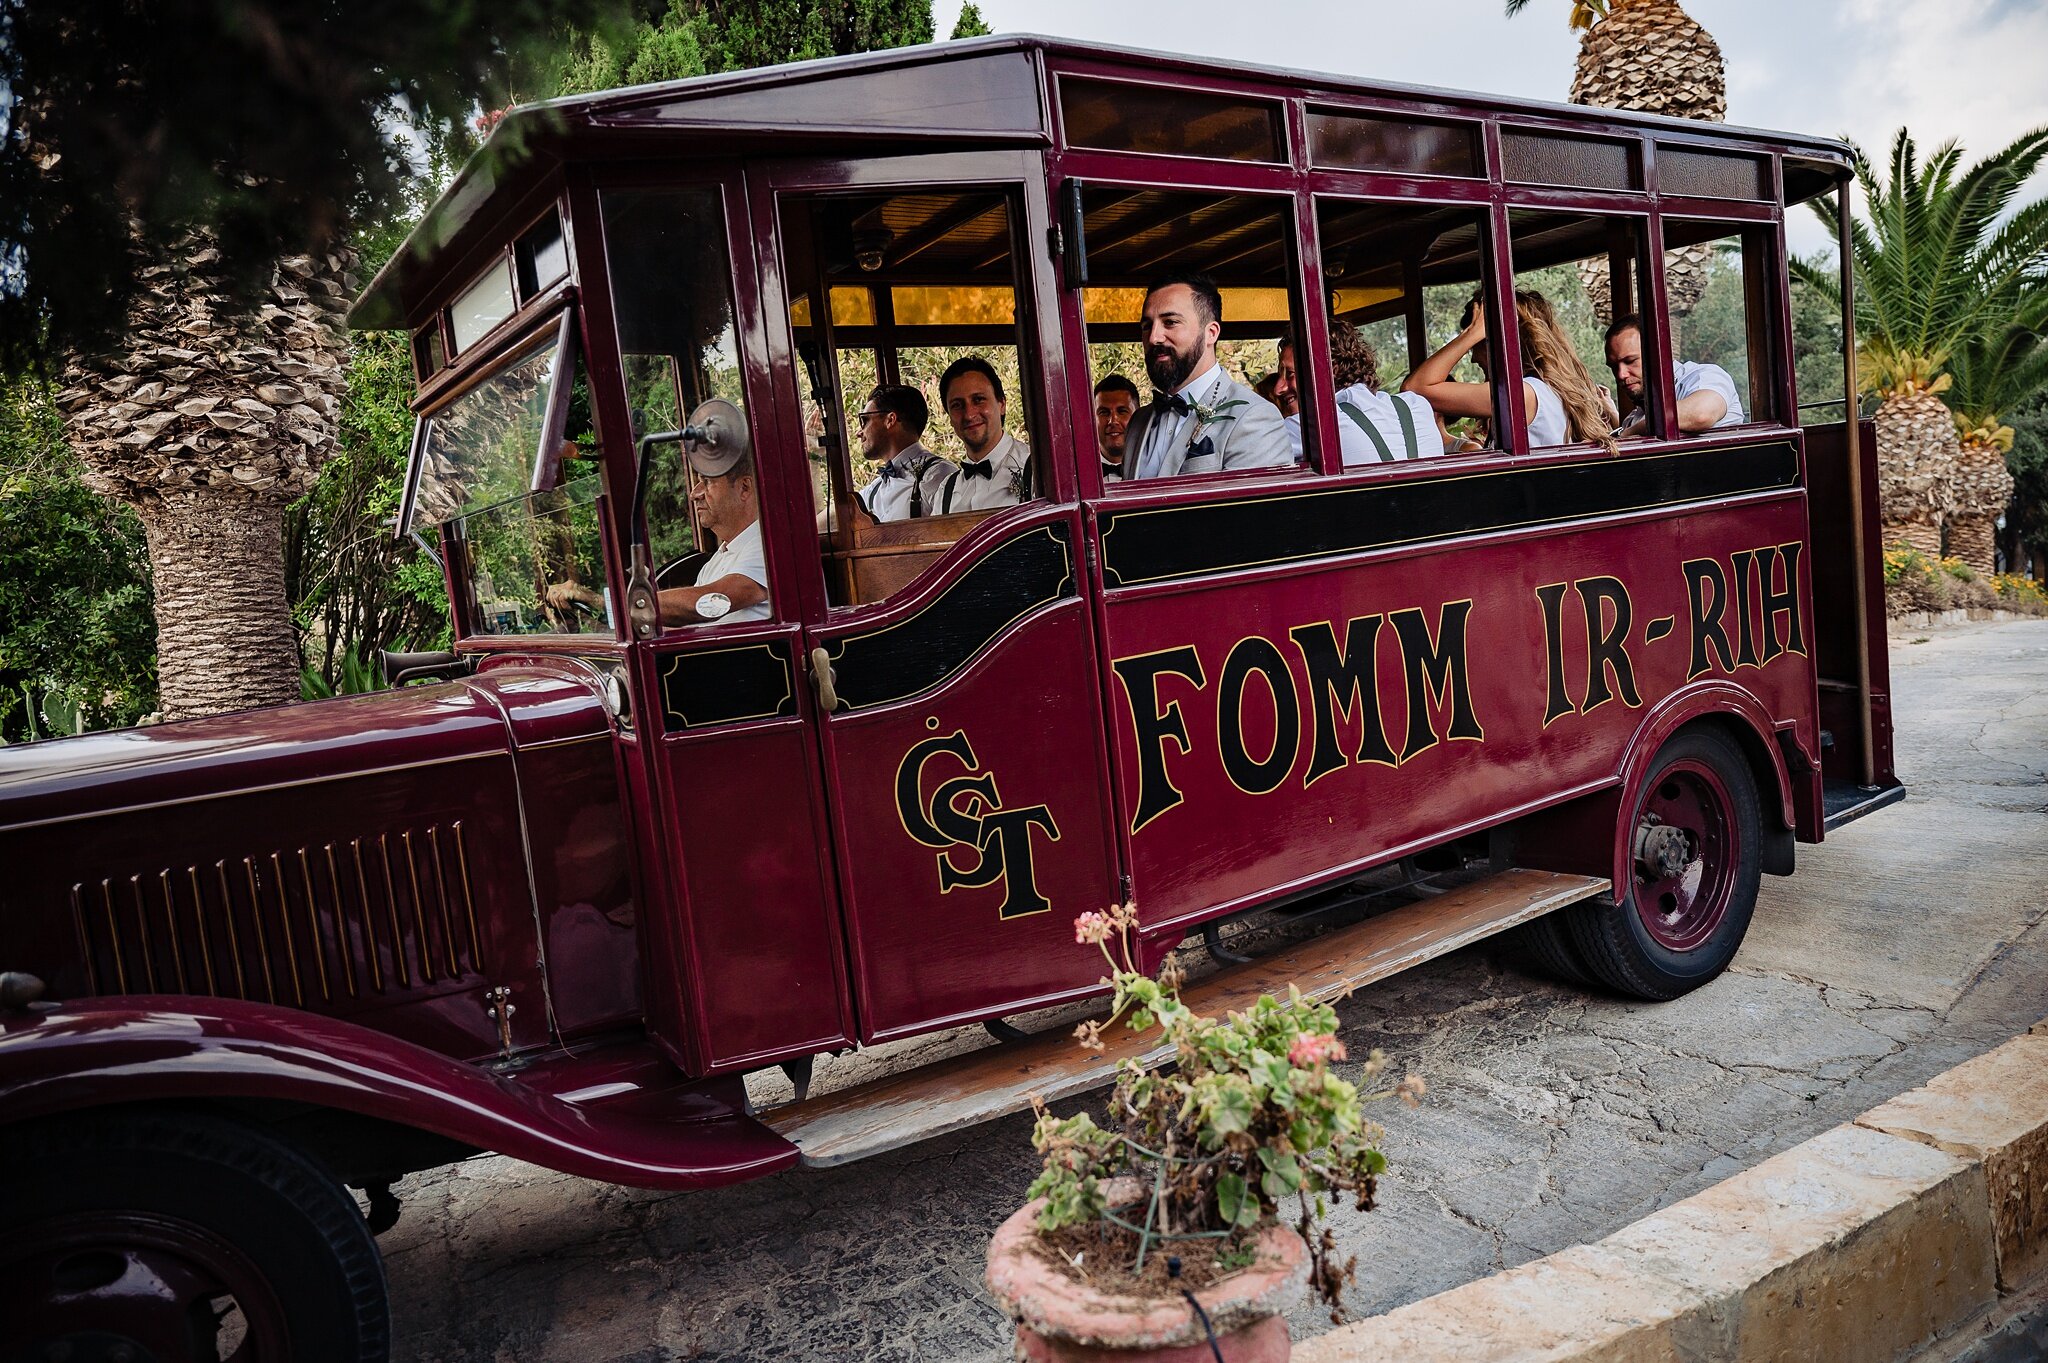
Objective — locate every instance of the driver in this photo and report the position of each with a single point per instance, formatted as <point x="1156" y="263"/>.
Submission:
<point x="733" y="583"/>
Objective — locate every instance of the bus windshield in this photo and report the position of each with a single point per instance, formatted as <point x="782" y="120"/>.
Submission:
<point x="480" y="449"/>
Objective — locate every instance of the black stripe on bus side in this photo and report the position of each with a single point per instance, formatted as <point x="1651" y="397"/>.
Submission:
<point x="917" y="653"/>
<point x="1161" y="544"/>
<point x="726" y="686"/>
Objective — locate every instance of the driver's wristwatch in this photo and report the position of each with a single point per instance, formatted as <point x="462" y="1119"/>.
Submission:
<point x="713" y="605"/>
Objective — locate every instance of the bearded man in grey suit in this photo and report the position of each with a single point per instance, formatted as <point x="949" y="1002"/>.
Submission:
<point x="1200" y="419"/>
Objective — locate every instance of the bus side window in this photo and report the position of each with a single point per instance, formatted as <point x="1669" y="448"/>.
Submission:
<point x="1398" y="278"/>
<point x="1575" y="276"/>
<point x="909" y="318"/>
<point x="1714" y="284"/>
<point x="1244" y="246"/>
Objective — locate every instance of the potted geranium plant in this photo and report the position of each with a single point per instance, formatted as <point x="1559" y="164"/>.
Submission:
<point x="1160" y="1236"/>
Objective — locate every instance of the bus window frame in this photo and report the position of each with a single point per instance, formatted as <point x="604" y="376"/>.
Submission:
<point x="1649" y="268"/>
<point x="1323" y="380"/>
<point x="1767" y="318"/>
<point x="1021" y="176"/>
<point x="1137" y="170"/>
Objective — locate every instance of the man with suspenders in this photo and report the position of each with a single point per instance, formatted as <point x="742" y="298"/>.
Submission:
<point x="1374" y="426"/>
<point x="997" y="469"/>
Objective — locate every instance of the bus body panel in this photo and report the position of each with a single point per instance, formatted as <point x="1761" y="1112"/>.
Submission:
<point x="1506" y="673"/>
<point x="975" y="824"/>
<point x="375" y="857"/>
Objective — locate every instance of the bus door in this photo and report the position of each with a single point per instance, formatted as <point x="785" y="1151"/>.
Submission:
<point x="949" y="641"/>
<point x="745" y="964"/>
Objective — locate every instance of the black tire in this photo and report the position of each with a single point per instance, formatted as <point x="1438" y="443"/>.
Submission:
<point x="217" y="1210"/>
<point x="1546" y="944"/>
<point x="1665" y="939"/>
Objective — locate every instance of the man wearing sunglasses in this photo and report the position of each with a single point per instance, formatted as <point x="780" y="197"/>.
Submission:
<point x="912" y="477"/>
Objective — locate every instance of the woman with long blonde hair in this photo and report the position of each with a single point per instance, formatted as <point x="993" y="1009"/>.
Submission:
<point x="1562" y="403"/>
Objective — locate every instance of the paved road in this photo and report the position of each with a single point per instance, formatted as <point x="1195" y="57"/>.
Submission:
<point x="1907" y="943"/>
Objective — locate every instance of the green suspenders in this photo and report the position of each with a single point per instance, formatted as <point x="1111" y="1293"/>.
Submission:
<point x="1372" y="432"/>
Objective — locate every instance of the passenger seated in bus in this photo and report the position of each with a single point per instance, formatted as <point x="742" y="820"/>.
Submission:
<point x="1200" y="419"/>
<point x="1373" y="426"/>
<point x="733" y="583"/>
<point x="912" y="477"/>
<point x="1558" y="397"/>
<point x="1116" y="402"/>
<point x="997" y="469"/>
<point x="1706" y="394"/>
<point x="1269" y="389"/>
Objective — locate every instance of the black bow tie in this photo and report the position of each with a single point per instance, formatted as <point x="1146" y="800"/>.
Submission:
<point x="1172" y="402"/>
<point x="976" y="469"/>
<point x="1110" y="470"/>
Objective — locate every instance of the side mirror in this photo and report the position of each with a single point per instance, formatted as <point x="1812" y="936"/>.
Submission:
<point x="715" y="425"/>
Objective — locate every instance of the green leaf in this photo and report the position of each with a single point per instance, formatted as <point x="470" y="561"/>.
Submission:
<point x="1283" y="1172"/>
<point x="1234" y="1202"/>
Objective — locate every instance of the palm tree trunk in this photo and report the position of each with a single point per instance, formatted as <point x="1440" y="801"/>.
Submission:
<point x="224" y="633"/>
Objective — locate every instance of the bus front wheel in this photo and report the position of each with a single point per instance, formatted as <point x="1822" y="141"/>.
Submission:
<point x="174" y="1235"/>
<point x="1695" y="860"/>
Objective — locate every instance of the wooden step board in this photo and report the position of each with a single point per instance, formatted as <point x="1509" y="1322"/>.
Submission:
<point x="993" y="1082"/>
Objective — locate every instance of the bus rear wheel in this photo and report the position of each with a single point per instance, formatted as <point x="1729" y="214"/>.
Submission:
<point x="1695" y="840"/>
<point x="162" y="1236"/>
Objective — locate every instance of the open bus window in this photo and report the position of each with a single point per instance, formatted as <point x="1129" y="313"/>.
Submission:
<point x="1714" y="289"/>
<point x="1398" y="278"/>
<point x="678" y="348"/>
<point x="908" y="320"/>
<point x="1820" y="378"/>
<point x="1574" y="273"/>
<point x="1243" y="246"/>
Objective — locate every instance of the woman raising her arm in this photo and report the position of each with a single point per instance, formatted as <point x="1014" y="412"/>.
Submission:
<point x="1558" y="396"/>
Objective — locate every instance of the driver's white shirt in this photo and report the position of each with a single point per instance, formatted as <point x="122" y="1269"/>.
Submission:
<point x="741" y="554"/>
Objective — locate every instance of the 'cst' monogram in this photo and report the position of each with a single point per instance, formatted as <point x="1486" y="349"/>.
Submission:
<point x="967" y="811"/>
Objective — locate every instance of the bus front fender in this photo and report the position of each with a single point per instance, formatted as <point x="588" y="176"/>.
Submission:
<point x="141" y="1048"/>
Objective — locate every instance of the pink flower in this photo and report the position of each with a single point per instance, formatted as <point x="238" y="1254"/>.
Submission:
<point x="1092" y="929"/>
<point x="1310" y="1050"/>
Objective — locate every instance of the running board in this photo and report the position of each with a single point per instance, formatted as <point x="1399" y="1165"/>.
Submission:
<point x="995" y="1081"/>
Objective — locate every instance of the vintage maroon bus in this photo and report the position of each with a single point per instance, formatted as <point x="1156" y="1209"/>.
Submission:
<point x="565" y="890"/>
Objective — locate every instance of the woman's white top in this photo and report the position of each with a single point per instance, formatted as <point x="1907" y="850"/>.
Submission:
<point x="1546" y="424"/>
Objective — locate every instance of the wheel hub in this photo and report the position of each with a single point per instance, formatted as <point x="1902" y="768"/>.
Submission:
<point x="1662" y="851"/>
<point x="126" y="1287"/>
<point x="1685" y="851"/>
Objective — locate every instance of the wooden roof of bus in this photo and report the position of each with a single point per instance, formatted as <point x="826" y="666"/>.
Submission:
<point x="980" y="92"/>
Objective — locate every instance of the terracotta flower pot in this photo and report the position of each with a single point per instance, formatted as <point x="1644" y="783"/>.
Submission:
<point x="1060" y="1320"/>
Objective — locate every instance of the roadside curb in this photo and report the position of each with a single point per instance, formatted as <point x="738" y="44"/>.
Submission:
<point x="1956" y="616"/>
<point x="1868" y="1242"/>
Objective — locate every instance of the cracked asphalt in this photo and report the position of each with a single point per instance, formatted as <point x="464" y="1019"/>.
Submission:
<point x="1907" y="943"/>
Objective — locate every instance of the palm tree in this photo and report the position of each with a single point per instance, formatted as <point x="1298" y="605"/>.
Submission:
<point x="1992" y="376"/>
<point x="1647" y="55"/>
<point x="210" y="418"/>
<point x="1939" y="280"/>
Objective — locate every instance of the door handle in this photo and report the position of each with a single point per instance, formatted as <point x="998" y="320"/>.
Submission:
<point x="822" y="679"/>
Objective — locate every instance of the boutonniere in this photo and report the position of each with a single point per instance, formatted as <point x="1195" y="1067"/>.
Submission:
<point x="1020" y="482"/>
<point x="1205" y="417"/>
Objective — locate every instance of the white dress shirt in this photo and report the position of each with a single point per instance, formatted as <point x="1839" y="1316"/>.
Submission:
<point x="741" y="554"/>
<point x="888" y="498"/>
<point x="1693" y="378"/>
<point x="1008" y="481"/>
<point x="1161" y="434"/>
<point x="1377" y="406"/>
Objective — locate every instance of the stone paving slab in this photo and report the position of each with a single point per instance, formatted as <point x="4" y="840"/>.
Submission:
<point x="1876" y="1240"/>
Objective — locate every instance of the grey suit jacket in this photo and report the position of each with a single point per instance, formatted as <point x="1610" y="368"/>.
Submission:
<point x="1250" y="436"/>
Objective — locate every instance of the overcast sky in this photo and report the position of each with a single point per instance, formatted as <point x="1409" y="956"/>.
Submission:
<point x="1975" y="70"/>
